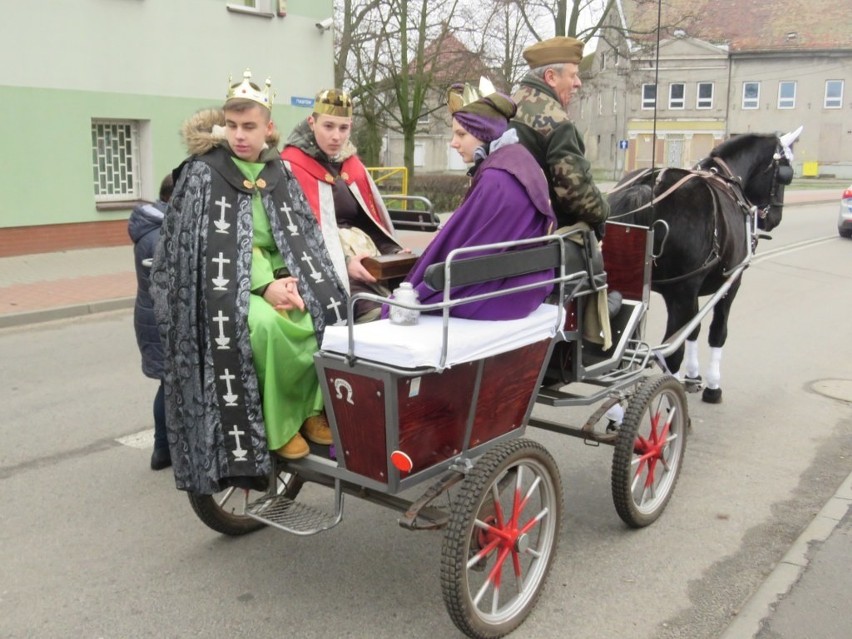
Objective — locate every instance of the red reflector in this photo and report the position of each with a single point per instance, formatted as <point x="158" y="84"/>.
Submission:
<point x="401" y="461"/>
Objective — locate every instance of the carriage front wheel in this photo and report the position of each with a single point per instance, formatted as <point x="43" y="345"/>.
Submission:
<point x="501" y="540"/>
<point x="649" y="450"/>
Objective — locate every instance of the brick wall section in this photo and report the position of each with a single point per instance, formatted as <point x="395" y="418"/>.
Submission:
<point x="49" y="238"/>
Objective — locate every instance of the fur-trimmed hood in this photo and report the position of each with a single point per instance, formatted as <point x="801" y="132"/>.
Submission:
<point x="205" y="129"/>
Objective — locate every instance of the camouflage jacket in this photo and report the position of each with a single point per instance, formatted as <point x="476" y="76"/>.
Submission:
<point x="544" y="128"/>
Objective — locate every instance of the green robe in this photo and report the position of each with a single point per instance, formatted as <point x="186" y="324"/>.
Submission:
<point x="282" y="343"/>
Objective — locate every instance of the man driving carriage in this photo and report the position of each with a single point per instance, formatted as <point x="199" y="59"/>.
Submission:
<point x="545" y="129"/>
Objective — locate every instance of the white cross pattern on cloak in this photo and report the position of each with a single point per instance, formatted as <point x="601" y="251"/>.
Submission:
<point x="315" y="274"/>
<point x="239" y="451"/>
<point x="220" y="282"/>
<point x="230" y="397"/>
<point x="222" y="341"/>
<point x="334" y="305"/>
<point x="294" y="230"/>
<point x="221" y="224"/>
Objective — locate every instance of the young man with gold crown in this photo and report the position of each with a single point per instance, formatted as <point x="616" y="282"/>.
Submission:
<point x="343" y="196"/>
<point x="242" y="286"/>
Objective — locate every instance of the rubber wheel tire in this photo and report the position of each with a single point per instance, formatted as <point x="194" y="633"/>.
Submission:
<point x="520" y="534"/>
<point x="224" y="511"/>
<point x="649" y="452"/>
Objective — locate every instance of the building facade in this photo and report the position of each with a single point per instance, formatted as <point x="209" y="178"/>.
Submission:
<point x="723" y="68"/>
<point x="95" y="94"/>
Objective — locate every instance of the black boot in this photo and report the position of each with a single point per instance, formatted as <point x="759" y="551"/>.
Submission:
<point x="160" y="458"/>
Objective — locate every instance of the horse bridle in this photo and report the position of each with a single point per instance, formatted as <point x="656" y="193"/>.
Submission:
<point x="782" y="176"/>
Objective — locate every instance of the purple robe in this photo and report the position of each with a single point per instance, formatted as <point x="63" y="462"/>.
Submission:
<point x="507" y="200"/>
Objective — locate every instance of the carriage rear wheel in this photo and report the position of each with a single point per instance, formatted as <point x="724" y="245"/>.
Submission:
<point x="501" y="540"/>
<point x="224" y="511"/>
<point x="649" y="450"/>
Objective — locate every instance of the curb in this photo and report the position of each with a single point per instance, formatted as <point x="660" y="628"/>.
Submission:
<point x="789" y="570"/>
<point x="65" y="312"/>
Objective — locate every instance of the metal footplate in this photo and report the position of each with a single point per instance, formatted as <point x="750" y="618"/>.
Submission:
<point x="295" y="517"/>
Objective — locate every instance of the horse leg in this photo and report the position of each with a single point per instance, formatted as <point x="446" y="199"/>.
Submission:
<point x="692" y="375"/>
<point x="681" y="306"/>
<point x="717" y="338"/>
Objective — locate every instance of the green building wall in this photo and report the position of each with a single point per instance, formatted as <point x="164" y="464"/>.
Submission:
<point x="151" y="61"/>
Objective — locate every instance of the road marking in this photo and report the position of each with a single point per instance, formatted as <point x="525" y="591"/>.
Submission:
<point x="791" y="248"/>
<point x="142" y="440"/>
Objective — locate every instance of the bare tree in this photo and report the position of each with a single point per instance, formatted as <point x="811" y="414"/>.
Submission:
<point x="567" y="18"/>
<point x="389" y="65"/>
<point x="393" y="55"/>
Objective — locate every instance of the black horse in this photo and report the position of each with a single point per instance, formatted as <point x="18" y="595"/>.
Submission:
<point x="704" y="221"/>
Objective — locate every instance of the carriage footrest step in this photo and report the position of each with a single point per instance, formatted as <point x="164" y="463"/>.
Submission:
<point x="292" y="516"/>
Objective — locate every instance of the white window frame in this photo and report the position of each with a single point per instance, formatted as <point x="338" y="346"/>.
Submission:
<point x="786" y="102"/>
<point x="116" y="165"/>
<point x="704" y="102"/>
<point x="751" y="103"/>
<point x="677" y="103"/>
<point x="833" y="102"/>
<point x="648" y="103"/>
<point x="262" y="8"/>
<point x="424" y="119"/>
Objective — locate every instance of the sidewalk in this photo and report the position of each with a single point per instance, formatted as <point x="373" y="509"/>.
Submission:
<point x="800" y="598"/>
<point x="49" y="286"/>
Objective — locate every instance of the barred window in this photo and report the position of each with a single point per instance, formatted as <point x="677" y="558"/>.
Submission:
<point x="115" y="160"/>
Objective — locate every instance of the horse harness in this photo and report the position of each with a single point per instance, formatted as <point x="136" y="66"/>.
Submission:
<point x="720" y="175"/>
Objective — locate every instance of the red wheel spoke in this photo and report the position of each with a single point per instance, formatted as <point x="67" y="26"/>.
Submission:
<point x="495" y="574"/>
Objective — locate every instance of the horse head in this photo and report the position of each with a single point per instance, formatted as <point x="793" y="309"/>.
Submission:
<point x="762" y="164"/>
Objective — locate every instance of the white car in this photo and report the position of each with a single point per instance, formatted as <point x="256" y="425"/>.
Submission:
<point x="844" y="220"/>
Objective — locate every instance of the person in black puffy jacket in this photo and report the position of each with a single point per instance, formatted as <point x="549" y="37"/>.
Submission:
<point x="144" y="229"/>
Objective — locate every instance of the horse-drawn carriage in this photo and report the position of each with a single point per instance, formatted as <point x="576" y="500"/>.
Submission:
<point x="445" y="404"/>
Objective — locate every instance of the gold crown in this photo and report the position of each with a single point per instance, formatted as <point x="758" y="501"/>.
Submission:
<point x="248" y="90"/>
<point x="333" y="102"/>
<point x="459" y="96"/>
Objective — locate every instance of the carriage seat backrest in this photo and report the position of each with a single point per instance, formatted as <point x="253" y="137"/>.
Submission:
<point x="581" y="258"/>
<point x="626" y="256"/>
<point x="412" y="213"/>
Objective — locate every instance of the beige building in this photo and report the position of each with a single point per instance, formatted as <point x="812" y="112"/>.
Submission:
<point x="723" y="68"/>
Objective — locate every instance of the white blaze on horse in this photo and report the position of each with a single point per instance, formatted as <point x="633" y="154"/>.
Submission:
<point x="707" y="222"/>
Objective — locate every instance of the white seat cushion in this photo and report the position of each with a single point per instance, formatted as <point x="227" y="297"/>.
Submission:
<point x="420" y="345"/>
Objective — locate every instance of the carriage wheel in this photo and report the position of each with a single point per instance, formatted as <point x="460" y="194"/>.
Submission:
<point x="224" y="511"/>
<point x="649" y="450"/>
<point x="501" y="539"/>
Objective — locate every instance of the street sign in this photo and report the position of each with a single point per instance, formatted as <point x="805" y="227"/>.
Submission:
<point x="622" y="144"/>
<point x="301" y="102"/>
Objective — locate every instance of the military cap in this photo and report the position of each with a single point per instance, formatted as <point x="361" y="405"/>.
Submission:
<point x="555" y="50"/>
